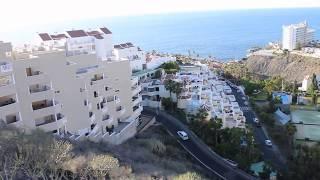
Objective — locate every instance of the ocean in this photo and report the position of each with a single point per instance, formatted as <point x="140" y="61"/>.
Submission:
<point x="221" y="34"/>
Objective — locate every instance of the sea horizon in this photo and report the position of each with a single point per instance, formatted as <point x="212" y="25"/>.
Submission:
<point x="223" y="34"/>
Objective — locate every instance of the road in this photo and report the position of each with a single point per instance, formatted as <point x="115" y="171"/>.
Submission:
<point x="270" y="154"/>
<point x="200" y="151"/>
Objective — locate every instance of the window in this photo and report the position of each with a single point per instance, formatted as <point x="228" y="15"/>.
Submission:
<point x="157" y="88"/>
<point x="107" y="88"/>
<point x="95" y="94"/>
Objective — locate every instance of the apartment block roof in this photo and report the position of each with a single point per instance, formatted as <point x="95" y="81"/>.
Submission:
<point x="58" y="36"/>
<point x="92" y="33"/>
<point x="45" y="36"/>
<point x="81" y="33"/>
<point x="77" y="33"/>
<point x="105" y="30"/>
<point x="130" y="44"/>
<point x="118" y="47"/>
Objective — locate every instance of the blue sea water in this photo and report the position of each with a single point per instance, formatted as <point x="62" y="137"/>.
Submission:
<point x="221" y="34"/>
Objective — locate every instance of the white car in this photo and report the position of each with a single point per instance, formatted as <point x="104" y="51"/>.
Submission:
<point x="232" y="163"/>
<point x="183" y="135"/>
<point x="256" y="120"/>
<point x="268" y="143"/>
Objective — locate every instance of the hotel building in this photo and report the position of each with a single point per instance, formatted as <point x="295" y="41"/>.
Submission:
<point x="296" y="35"/>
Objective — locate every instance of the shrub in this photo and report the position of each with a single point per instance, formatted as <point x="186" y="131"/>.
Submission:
<point x="188" y="176"/>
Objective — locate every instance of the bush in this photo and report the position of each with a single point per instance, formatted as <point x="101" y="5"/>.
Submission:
<point x="188" y="176"/>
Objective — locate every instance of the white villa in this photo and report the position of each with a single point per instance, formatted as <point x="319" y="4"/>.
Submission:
<point x="201" y="89"/>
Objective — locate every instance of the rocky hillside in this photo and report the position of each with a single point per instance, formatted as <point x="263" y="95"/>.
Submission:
<point x="291" y="67"/>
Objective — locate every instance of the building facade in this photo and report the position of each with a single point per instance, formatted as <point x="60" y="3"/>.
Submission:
<point x="74" y="84"/>
<point x="296" y="35"/>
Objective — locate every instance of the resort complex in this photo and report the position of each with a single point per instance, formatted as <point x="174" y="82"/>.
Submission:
<point x="75" y="84"/>
<point x="200" y="88"/>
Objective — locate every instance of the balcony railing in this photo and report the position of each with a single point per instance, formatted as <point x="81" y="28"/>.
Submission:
<point x="42" y="105"/>
<point x="7" y="102"/>
<point x="39" y="89"/>
<point x="46" y="120"/>
<point x="135" y="108"/>
<point x="12" y="119"/>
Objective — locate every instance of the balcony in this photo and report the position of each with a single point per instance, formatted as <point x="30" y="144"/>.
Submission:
<point x="103" y="107"/>
<point x="106" y="117"/>
<point x="7" y="100"/>
<point x="136" y="90"/>
<point x="31" y="72"/>
<point x="96" y="78"/>
<point x="38" y="88"/>
<point x="92" y="116"/>
<point x="136" y="100"/>
<point x="12" y="119"/>
<point x="42" y="104"/>
<point x="120" y="110"/>
<point x="45" y="120"/>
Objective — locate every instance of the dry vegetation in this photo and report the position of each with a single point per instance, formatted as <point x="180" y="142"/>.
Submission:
<point x="37" y="155"/>
<point x="291" y="67"/>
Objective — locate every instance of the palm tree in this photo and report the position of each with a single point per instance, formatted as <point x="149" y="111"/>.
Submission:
<point x="173" y="87"/>
<point x="170" y="86"/>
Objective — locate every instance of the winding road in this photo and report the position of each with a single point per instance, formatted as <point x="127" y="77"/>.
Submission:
<point x="199" y="150"/>
<point x="270" y="154"/>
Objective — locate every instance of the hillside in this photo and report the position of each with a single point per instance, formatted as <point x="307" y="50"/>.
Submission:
<point x="152" y="154"/>
<point x="291" y="67"/>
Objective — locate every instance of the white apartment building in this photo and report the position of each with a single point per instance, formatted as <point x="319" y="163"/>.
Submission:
<point x="74" y="84"/>
<point x="201" y="89"/>
<point x="307" y="81"/>
<point x="296" y="34"/>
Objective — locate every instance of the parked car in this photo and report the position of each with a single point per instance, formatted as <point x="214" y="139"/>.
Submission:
<point x="268" y="142"/>
<point x="256" y="120"/>
<point x="232" y="163"/>
<point x="183" y="135"/>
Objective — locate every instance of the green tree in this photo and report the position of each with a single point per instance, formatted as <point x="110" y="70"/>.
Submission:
<point x="291" y="130"/>
<point x="173" y="87"/>
<point x="265" y="174"/>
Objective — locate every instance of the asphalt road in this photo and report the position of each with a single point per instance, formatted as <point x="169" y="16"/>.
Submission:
<point x="270" y="154"/>
<point x="200" y="151"/>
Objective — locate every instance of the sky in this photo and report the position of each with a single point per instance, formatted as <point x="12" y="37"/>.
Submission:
<point x="15" y="14"/>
